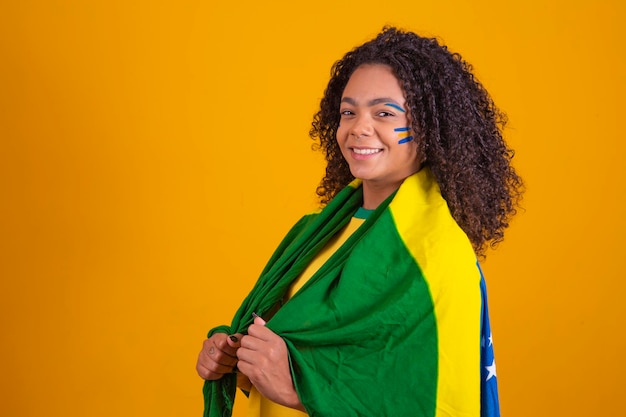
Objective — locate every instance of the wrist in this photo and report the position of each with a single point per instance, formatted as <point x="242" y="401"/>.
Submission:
<point x="295" y="403"/>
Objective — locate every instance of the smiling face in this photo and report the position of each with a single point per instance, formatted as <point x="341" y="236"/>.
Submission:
<point x="374" y="134"/>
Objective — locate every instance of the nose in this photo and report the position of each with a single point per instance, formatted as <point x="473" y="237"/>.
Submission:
<point x="361" y="126"/>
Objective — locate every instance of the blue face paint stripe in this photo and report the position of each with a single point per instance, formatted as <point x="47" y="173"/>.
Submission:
<point x="404" y="134"/>
<point x="395" y="106"/>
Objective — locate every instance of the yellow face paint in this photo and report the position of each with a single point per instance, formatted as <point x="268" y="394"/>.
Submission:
<point x="404" y="134"/>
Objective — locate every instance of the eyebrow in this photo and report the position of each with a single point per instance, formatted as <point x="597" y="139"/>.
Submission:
<point x="395" y="106"/>
<point x="386" y="100"/>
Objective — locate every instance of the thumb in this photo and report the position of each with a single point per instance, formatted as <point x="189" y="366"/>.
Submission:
<point x="258" y="319"/>
<point x="234" y="340"/>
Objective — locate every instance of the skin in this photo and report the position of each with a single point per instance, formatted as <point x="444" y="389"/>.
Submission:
<point x="264" y="359"/>
<point x="373" y="105"/>
<point x="261" y="357"/>
<point x="218" y="356"/>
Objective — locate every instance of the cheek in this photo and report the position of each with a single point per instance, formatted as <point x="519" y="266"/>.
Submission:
<point x="341" y="135"/>
<point x="406" y="151"/>
<point x="412" y="152"/>
<point x="403" y="135"/>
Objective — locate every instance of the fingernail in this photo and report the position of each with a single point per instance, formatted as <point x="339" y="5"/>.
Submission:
<point x="255" y="315"/>
<point x="233" y="338"/>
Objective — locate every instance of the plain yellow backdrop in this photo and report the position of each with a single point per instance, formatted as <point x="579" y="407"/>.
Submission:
<point x="153" y="153"/>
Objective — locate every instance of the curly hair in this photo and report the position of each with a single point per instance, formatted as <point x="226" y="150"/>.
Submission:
<point x="457" y="127"/>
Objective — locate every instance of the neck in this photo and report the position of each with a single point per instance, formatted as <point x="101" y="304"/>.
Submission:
<point x="374" y="194"/>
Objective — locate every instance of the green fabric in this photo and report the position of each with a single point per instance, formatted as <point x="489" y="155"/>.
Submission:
<point x="367" y="300"/>
<point x="362" y="213"/>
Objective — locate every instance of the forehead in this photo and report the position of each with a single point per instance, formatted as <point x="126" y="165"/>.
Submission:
<point x="373" y="80"/>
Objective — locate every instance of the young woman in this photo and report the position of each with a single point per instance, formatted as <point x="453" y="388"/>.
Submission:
<point x="376" y="305"/>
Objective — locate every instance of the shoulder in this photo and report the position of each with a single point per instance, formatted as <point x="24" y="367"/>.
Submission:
<point x="431" y="235"/>
<point x="421" y="214"/>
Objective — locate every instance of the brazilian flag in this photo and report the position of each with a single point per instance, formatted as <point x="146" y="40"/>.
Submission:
<point x="395" y="323"/>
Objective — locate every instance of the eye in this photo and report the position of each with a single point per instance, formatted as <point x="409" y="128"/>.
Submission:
<point x="346" y="113"/>
<point x="384" y="114"/>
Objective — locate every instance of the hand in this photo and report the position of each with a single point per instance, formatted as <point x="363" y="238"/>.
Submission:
<point x="218" y="356"/>
<point x="264" y="359"/>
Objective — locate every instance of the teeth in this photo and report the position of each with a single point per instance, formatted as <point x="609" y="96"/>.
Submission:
<point x="365" y="151"/>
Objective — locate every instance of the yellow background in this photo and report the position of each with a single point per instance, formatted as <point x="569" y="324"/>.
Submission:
<point x="153" y="153"/>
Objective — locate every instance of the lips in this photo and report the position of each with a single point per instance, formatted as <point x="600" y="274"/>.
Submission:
<point x="366" y="151"/>
<point x="364" y="154"/>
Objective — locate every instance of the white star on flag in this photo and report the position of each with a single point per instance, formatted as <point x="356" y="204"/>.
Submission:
<point x="492" y="370"/>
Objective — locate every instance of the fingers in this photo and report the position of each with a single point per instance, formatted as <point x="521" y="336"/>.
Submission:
<point x="234" y="341"/>
<point x="259" y="339"/>
<point x="210" y="371"/>
<point x="260" y="331"/>
<point x="228" y="344"/>
<point x="219" y="352"/>
<point x="264" y="359"/>
<point x="217" y="357"/>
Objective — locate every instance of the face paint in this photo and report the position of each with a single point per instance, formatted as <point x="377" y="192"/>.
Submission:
<point x="404" y="134"/>
<point x="395" y="106"/>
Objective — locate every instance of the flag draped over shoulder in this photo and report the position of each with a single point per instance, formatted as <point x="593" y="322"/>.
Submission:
<point x="389" y="325"/>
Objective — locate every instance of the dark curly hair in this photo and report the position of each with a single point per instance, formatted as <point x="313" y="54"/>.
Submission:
<point x="457" y="127"/>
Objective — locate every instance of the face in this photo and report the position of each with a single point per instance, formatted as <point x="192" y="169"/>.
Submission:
<point x="374" y="134"/>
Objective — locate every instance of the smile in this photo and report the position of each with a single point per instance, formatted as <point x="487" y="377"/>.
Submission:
<point x="365" y="151"/>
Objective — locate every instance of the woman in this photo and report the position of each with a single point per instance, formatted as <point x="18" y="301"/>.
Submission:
<point x="376" y="305"/>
